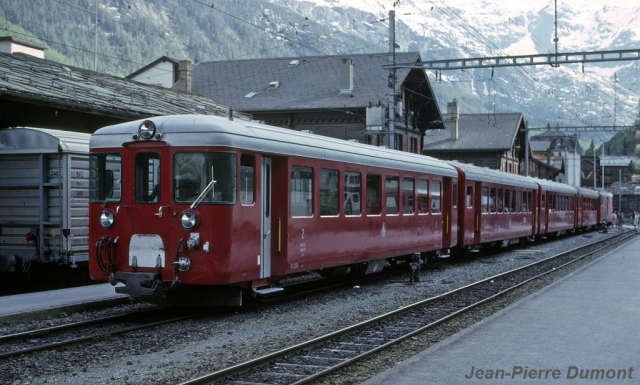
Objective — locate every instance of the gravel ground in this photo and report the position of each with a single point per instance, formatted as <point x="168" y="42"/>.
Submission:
<point x="175" y="353"/>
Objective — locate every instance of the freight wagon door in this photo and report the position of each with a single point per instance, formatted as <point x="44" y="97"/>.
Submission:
<point x="265" y="260"/>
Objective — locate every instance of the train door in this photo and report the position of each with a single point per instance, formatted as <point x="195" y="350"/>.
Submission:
<point x="265" y="263"/>
<point x="478" y="209"/>
<point x="151" y="210"/>
<point x="450" y="213"/>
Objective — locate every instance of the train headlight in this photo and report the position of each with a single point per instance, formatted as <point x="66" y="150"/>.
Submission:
<point x="189" y="220"/>
<point x="147" y="129"/>
<point x="107" y="219"/>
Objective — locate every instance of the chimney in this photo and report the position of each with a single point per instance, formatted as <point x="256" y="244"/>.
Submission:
<point x="454" y="115"/>
<point x="10" y="44"/>
<point x="346" y="75"/>
<point x="184" y="76"/>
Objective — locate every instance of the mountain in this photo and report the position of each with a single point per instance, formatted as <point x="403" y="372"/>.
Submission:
<point x="131" y="33"/>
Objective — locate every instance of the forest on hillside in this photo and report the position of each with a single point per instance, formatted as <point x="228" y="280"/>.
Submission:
<point x="130" y="34"/>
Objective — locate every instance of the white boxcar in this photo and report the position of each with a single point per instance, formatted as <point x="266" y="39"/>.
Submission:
<point x="44" y="191"/>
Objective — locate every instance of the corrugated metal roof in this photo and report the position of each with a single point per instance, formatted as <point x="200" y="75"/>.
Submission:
<point x="476" y="132"/>
<point x="26" y="77"/>
<point x="41" y="140"/>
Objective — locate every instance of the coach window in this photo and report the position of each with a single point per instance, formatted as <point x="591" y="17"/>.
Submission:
<point x="435" y="196"/>
<point x="513" y="201"/>
<point x="147" y="177"/>
<point x="247" y="174"/>
<point x="408" y="196"/>
<point x="391" y="194"/>
<point x="519" y="201"/>
<point x="301" y="191"/>
<point x="499" y="200"/>
<point x="507" y="200"/>
<point x="493" y="201"/>
<point x="485" y="199"/>
<point x="374" y="195"/>
<point x="454" y="197"/>
<point x="423" y="196"/>
<point x="469" y="196"/>
<point x="529" y="202"/>
<point x="329" y="202"/>
<point x="352" y="201"/>
<point x="105" y="173"/>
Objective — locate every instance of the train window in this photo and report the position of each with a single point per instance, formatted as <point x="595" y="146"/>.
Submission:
<point x="435" y="196"/>
<point x="208" y="177"/>
<point x="519" y="201"/>
<point x="329" y="198"/>
<point x="374" y="194"/>
<point x="423" y="196"/>
<point x="529" y="202"/>
<point x="247" y="177"/>
<point x="499" y="200"/>
<point x="513" y="201"/>
<point x="507" y="201"/>
<point x="485" y="199"/>
<point x="147" y="177"/>
<point x="352" y="201"/>
<point x="408" y="196"/>
<point x="454" y="196"/>
<point x="492" y="200"/>
<point x="469" y="196"/>
<point x="301" y="191"/>
<point x="391" y="194"/>
<point x="105" y="173"/>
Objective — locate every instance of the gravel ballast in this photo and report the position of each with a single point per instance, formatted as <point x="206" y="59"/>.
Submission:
<point x="178" y="352"/>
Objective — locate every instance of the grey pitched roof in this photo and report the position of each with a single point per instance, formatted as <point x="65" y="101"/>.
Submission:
<point x="161" y="59"/>
<point x="539" y="145"/>
<point x="312" y="83"/>
<point x="26" y="77"/>
<point x="476" y="132"/>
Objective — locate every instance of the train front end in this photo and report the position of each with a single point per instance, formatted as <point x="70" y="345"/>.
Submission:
<point x="161" y="215"/>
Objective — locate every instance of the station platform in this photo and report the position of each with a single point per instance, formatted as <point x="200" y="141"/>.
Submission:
<point x="583" y="329"/>
<point x="44" y="304"/>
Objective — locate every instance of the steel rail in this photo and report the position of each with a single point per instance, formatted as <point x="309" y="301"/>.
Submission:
<point x="289" y="351"/>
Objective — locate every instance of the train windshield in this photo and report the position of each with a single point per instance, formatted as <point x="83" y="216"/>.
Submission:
<point x="105" y="172"/>
<point x="209" y="177"/>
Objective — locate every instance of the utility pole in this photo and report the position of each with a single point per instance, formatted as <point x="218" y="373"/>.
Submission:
<point x="95" y="42"/>
<point x="392" y="80"/>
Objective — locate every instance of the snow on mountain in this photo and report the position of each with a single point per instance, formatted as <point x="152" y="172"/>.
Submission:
<point x="572" y="95"/>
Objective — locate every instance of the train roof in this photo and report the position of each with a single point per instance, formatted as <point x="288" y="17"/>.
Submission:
<point x="587" y="192"/>
<point x="204" y="130"/>
<point x="22" y="140"/>
<point x="483" y="174"/>
<point x="549" y="185"/>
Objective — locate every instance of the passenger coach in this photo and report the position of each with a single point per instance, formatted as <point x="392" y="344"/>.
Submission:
<point x="201" y="201"/>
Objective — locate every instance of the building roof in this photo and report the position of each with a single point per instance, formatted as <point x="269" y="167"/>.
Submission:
<point x="26" y="78"/>
<point x="478" y="132"/>
<point x="305" y="83"/>
<point x="539" y="145"/>
<point x="617" y="161"/>
<point x="161" y="59"/>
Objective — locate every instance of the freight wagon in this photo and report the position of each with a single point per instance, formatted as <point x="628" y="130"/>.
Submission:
<point x="44" y="184"/>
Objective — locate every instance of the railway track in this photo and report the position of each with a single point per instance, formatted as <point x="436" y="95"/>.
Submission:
<point x="94" y="329"/>
<point x="322" y="356"/>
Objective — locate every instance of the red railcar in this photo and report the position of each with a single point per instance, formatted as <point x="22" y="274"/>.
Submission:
<point x="587" y="206"/>
<point x="200" y="201"/>
<point x="228" y="208"/>
<point x="556" y="213"/>
<point x="494" y="207"/>
<point x="605" y="210"/>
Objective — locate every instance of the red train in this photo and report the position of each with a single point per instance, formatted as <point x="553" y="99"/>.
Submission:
<point x="226" y="209"/>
